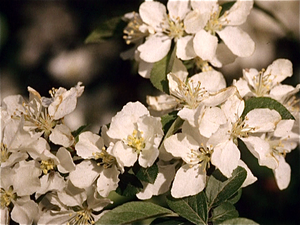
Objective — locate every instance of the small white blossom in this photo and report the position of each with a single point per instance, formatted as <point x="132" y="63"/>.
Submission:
<point x="137" y="135"/>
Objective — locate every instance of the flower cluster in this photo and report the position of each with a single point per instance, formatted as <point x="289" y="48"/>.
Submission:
<point x="53" y="175"/>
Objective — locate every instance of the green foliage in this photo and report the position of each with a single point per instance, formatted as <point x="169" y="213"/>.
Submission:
<point x="239" y="221"/>
<point x="76" y="133"/>
<point x="148" y="174"/>
<point x="133" y="211"/>
<point x="129" y="185"/>
<point x="158" y="75"/>
<point x="224" y="212"/>
<point x="266" y="102"/>
<point x="173" y="124"/>
<point x="170" y="221"/>
<point x="192" y="208"/>
<point x="218" y="191"/>
<point x="112" y="28"/>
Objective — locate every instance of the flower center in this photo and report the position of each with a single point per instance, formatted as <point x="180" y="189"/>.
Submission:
<point x="136" y="141"/>
<point x="262" y="83"/>
<point x="7" y="196"/>
<point x="173" y="28"/>
<point x="47" y="165"/>
<point x="106" y="160"/>
<point x="132" y="32"/>
<point x="4" y="153"/>
<point x="201" y="156"/>
<point x="82" y="217"/>
<point x="213" y="23"/>
<point x="240" y="129"/>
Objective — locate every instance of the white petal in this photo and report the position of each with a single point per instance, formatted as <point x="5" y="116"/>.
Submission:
<point x="226" y="157"/>
<point x="185" y="48"/>
<point x="155" y="48"/>
<point x="161" y="184"/>
<point x="238" y="41"/>
<point x="233" y="108"/>
<point x="261" y="150"/>
<point x="50" y="182"/>
<point x="25" y="212"/>
<point x="148" y="156"/>
<point x="195" y="21"/>
<point x="66" y="162"/>
<point x="279" y="70"/>
<point x="122" y="124"/>
<point x="205" y="45"/>
<point x="88" y="144"/>
<point x="26" y="179"/>
<point x="152" y="13"/>
<point x="145" y="69"/>
<point x="61" y="135"/>
<point x="188" y="181"/>
<point x="282" y="173"/>
<point x="178" y="9"/>
<point x="180" y="145"/>
<point x="281" y="91"/>
<point x="262" y="120"/>
<point x="243" y="87"/>
<point x="125" y="155"/>
<point x="179" y="68"/>
<point x="223" y="56"/>
<point x="283" y="128"/>
<point x="85" y="174"/>
<point x="220" y="97"/>
<point x="210" y="121"/>
<point x="108" y="181"/>
<point x="238" y="13"/>
<point x="250" y="179"/>
<point x="211" y="80"/>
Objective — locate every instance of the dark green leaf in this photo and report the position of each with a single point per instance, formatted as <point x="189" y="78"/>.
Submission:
<point x="133" y="211"/>
<point x="129" y="185"/>
<point x="148" y="174"/>
<point x="177" y="123"/>
<point x="170" y="221"/>
<point x="223" y="212"/>
<point x="76" y="133"/>
<point x="235" y="198"/>
<point x="167" y="120"/>
<point x="107" y="29"/>
<point x="226" y="6"/>
<point x="158" y="75"/>
<point x="266" y="102"/>
<point x="192" y="208"/>
<point x="239" y="221"/>
<point x="219" y="191"/>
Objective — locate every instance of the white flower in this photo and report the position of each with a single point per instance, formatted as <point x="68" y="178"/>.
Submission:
<point x="190" y="179"/>
<point x="103" y="169"/>
<point x="271" y="148"/>
<point x="161" y="184"/>
<point x="14" y="195"/>
<point x="205" y="22"/>
<point x="137" y="135"/>
<point x="258" y="84"/>
<point x="76" y="206"/>
<point x="163" y="28"/>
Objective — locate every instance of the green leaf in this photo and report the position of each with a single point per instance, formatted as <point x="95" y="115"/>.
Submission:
<point x="129" y="185"/>
<point x="192" y="208"/>
<point x="167" y="120"/>
<point x="158" y="75"/>
<point x="176" y="125"/>
<point x="107" y="29"/>
<point x="235" y="198"/>
<point x="218" y="191"/>
<point x="223" y="212"/>
<point x="76" y="133"/>
<point x="148" y="174"/>
<point x="239" y="221"/>
<point x="133" y="211"/>
<point x="266" y="102"/>
<point x="170" y="221"/>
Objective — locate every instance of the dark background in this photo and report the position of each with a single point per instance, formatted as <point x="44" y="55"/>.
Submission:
<point x="34" y="32"/>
